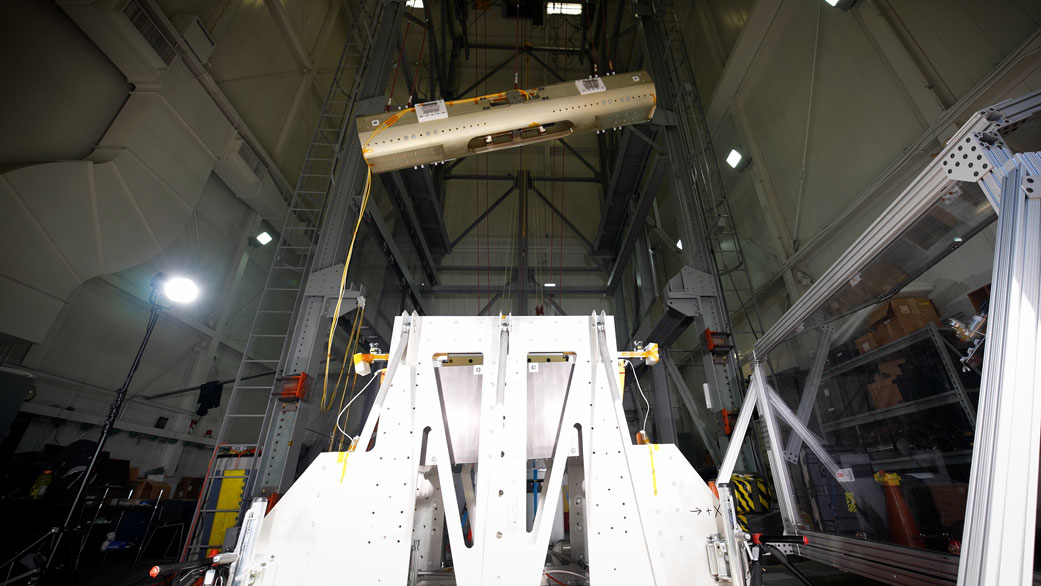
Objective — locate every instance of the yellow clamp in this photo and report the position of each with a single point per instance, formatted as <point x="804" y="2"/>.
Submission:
<point x="363" y="362"/>
<point x="648" y="353"/>
<point x="887" y="478"/>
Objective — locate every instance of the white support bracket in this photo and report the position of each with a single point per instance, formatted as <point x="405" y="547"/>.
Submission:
<point x="326" y="283"/>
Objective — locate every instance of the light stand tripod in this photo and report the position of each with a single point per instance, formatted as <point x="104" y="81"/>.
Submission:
<point x="163" y="289"/>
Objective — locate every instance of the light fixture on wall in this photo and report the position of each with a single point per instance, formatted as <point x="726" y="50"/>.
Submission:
<point x="550" y="285"/>
<point x="734" y="158"/>
<point x="841" y="4"/>
<point x="177" y="289"/>
<point x="164" y="289"/>
<point x="679" y="244"/>
<point x="263" y="238"/>
<point x="566" y="8"/>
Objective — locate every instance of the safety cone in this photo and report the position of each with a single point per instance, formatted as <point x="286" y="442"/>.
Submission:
<point x="902" y="527"/>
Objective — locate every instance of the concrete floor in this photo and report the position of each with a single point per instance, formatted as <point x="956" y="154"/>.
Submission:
<point x="818" y="573"/>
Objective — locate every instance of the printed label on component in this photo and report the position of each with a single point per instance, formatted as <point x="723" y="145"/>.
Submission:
<point x="428" y="111"/>
<point x="590" y="86"/>
<point x="844" y="475"/>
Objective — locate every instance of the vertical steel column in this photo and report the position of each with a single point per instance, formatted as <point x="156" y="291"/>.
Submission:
<point x="714" y="316"/>
<point x="1000" y="514"/>
<point x="952" y="373"/>
<point x="687" y="397"/>
<point x="663" y="422"/>
<point x="523" y="180"/>
<point x="278" y="469"/>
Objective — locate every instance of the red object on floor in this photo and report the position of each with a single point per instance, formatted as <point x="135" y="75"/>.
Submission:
<point x="902" y="527"/>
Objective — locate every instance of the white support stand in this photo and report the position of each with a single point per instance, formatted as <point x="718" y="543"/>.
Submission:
<point x="367" y="515"/>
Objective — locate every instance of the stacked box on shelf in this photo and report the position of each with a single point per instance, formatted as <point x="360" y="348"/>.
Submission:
<point x="885" y="390"/>
<point x="899" y="317"/>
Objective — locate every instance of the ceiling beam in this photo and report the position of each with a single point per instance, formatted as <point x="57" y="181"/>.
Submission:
<point x="563" y="218"/>
<point x="483" y="215"/>
<point x="583" y="160"/>
<point x="384" y="233"/>
<point x="539" y="48"/>
<point x="437" y="75"/>
<point x="404" y="199"/>
<point x="639" y="220"/>
<point x="296" y="45"/>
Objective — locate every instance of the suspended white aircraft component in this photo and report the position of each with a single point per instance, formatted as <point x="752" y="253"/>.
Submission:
<point x="488" y="395"/>
<point x="434" y="132"/>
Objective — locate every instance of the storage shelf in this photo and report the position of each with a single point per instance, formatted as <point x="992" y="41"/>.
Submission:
<point x="895" y="411"/>
<point x="915" y="461"/>
<point x="918" y="335"/>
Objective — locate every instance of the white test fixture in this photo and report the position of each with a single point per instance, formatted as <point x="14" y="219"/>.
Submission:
<point x="489" y="394"/>
<point x="435" y="132"/>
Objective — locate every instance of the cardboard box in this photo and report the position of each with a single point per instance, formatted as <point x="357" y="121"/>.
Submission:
<point x="866" y="343"/>
<point x="899" y="317"/>
<point x="151" y="490"/>
<point x="979" y="297"/>
<point x="134" y="474"/>
<point x="188" y="488"/>
<point x="949" y="500"/>
<point x="885" y="393"/>
<point x="891" y="368"/>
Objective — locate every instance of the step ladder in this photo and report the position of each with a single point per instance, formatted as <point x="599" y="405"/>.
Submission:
<point x="235" y="463"/>
<point x="710" y="193"/>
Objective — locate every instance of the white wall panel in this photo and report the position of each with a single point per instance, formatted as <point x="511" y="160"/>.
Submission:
<point x="964" y="40"/>
<point x="60" y="92"/>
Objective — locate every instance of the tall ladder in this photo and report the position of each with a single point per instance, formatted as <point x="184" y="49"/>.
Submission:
<point x="249" y="409"/>
<point x="711" y="200"/>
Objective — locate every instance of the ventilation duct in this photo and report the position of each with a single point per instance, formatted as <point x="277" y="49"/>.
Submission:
<point x="195" y="35"/>
<point x="68" y="221"/>
<point x="247" y="177"/>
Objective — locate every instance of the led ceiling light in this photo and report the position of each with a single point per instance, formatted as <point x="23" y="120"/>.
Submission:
<point x="413" y="3"/>
<point x="263" y="238"/>
<point x="734" y="158"/>
<point x="180" y="290"/>
<point x="679" y="244"/>
<point x="568" y="8"/>
<point x="550" y="285"/>
<point x="841" y="4"/>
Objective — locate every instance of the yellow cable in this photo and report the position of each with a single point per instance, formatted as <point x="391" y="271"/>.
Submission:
<point x="352" y="379"/>
<point x="352" y="343"/>
<point x="343" y="283"/>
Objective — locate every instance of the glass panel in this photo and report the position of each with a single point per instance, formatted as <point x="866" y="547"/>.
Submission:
<point x="959" y="213"/>
<point x="895" y="405"/>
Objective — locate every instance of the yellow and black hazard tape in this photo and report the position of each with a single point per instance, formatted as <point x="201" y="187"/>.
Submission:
<point x="751" y="494"/>
<point x="851" y="502"/>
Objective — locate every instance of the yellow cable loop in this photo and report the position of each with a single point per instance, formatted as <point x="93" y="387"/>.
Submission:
<point x="352" y="379"/>
<point x="352" y="342"/>
<point x="343" y="284"/>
